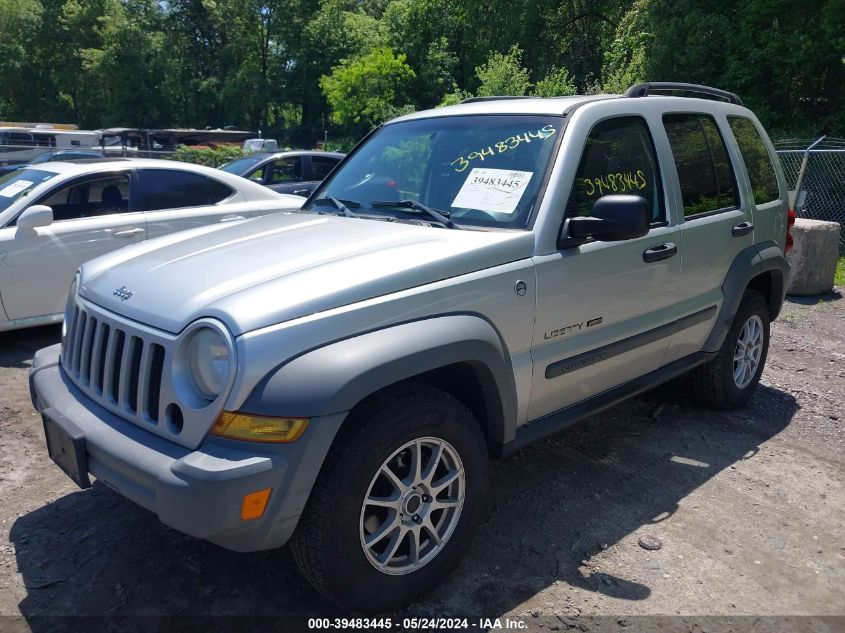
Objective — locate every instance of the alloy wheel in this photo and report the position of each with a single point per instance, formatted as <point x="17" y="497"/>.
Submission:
<point x="412" y="506"/>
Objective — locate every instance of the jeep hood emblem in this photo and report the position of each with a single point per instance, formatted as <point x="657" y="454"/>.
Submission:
<point x="122" y="293"/>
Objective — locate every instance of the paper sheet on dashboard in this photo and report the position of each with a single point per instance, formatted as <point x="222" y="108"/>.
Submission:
<point x="16" y="187"/>
<point x="496" y="190"/>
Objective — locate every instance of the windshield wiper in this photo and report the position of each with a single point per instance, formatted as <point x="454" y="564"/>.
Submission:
<point x="440" y="216"/>
<point x="339" y="205"/>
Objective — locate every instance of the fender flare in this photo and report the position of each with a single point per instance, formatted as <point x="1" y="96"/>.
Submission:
<point x="336" y="377"/>
<point x="748" y="264"/>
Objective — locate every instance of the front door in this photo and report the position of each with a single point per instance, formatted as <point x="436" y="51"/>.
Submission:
<point x="605" y="309"/>
<point x="91" y="216"/>
<point x="285" y="170"/>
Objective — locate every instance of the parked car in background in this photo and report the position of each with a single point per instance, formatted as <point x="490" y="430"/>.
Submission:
<point x="57" y="215"/>
<point x="261" y="145"/>
<point x="46" y="157"/>
<point x="296" y="172"/>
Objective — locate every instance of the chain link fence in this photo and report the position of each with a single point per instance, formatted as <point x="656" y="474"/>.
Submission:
<point x="815" y="171"/>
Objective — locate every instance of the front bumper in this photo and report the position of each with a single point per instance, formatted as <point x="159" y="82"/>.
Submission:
<point x="198" y="492"/>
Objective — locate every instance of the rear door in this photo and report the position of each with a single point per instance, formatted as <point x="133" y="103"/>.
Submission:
<point x="604" y="309"/>
<point x="176" y="200"/>
<point x="717" y="218"/>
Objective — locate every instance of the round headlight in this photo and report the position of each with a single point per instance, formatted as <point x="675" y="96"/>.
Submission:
<point x="71" y="301"/>
<point x="209" y="362"/>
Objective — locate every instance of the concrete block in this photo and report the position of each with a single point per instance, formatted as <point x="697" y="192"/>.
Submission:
<point x="813" y="258"/>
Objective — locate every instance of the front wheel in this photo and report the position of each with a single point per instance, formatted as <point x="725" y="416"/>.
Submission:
<point x="729" y="380"/>
<point x="397" y="501"/>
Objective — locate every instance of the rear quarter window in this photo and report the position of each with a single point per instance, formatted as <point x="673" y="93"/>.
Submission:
<point x="322" y="165"/>
<point x="758" y="162"/>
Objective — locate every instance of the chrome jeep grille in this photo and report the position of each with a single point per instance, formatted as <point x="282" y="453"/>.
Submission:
<point x="127" y="368"/>
<point x="114" y="365"/>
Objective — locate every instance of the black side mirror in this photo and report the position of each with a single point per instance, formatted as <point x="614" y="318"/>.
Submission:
<point x="613" y="218"/>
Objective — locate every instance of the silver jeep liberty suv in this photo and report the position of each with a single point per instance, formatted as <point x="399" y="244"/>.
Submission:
<point x="468" y="280"/>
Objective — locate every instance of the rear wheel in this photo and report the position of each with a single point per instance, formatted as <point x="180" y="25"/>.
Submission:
<point x="729" y="380"/>
<point x="397" y="501"/>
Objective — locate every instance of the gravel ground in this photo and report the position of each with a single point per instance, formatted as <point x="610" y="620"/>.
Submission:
<point x="748" y="506"/>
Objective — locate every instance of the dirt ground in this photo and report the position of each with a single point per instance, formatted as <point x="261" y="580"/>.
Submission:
<point x="748" y="505"/>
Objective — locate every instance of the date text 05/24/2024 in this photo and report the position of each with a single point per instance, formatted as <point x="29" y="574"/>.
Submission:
<point x="387" y="623"/>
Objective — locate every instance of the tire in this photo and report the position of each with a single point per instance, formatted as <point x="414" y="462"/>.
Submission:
<point x="383" y="432"/>
<point x="719" y="383"/>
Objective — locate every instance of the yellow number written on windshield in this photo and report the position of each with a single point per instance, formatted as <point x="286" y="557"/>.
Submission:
<point x="500" y="147"/>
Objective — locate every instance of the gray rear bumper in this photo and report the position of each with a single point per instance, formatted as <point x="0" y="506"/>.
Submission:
<point x="198" y="492"/>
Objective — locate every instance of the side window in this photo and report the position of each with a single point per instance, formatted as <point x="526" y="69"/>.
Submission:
<point x="618" y="158"/>
<point x="286" y="170"/>
<point x="20" y="138"/>
<point x="704" y="168"/>
<point x="257" y="175"/>
<point x="45" y="140"/>
<point x="758" y="162"/>
<point x="174" y="189"/>
<point x="322" y="165"/>
<point x="93" y="197"/>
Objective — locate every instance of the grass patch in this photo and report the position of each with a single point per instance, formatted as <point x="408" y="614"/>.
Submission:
<point x="839" y="278"/>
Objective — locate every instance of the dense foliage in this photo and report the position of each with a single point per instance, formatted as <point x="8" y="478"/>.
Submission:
<point x="208" y="156"/>
<point x="294" y="68"/>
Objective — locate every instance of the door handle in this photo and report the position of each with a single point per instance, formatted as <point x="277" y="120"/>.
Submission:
<point x="232" y="218"/>
<point x="129" y="232"/>
<point x="659" y="252"/>
<point x="300" y="192"/>
<point x="743" y="228"/>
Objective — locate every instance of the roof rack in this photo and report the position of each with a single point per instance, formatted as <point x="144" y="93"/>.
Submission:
<point x="644" y="90"/>
<point x="502" y="98"/>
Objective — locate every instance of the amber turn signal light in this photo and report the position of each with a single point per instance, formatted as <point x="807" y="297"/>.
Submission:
<point x="254" y="503"/>
<point x="256" y="428"/>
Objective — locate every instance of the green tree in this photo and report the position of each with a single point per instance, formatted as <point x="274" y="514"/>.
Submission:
<point x="337" y="30"/>
<point x="503" y="74"/>
<point x="424" y="31"/>
<point x="557" y="83"/>
<point x="369" y="89"/>
<point x="19" y="19"/>
<point x="259" y="63"/>
<point x="783" y="57"/>
<point x="454" y="97"/>
<point x="577" y="35"/>
<point x="127" y="60"/>
<point x="625" y="58"/>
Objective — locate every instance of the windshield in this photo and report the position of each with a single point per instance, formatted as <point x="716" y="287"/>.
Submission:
<point x="242" y="165"/>
<point x="483" y="170"/>
<point x="20" y="183"/>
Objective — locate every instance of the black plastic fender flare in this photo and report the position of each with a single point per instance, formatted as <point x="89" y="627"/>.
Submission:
<point x="748" y="264"/>
<point x="336" y="377"/>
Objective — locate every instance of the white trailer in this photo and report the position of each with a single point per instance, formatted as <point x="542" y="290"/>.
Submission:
<point x="22" y="144"/>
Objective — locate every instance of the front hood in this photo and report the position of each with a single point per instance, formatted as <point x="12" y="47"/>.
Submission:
<point x="284" y="266"/>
